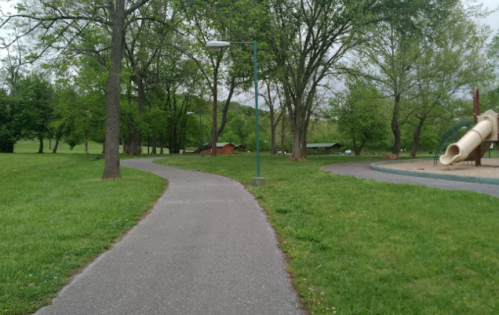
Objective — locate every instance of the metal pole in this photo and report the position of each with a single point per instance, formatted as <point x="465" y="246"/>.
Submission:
<point x="256" y="115"/>
<point x="201" y="128"/>
<point x="476" y="108"/>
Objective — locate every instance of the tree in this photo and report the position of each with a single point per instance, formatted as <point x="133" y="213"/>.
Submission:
<point x="38" y="97"/>
<point x="491" y="99"/>
<point x="360" y="113"/>
<point x="12" y="114"/>
<point x="215" y="20"/>
<point x="11" y="122"/>
<point x="276" y="110"/>
<point x="456" y="60"/>
<point x="145" y="41"/>
<point x="392" y="49"/>
<point x="308" y="40"/>
<point x="60" y="24"/>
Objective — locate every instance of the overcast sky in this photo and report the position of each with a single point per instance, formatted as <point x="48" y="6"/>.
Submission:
<point x="493" y="19"/>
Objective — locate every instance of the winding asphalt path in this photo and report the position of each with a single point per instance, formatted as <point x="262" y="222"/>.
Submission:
<point x="205" y="248"/>
<point x="362" y="170"/>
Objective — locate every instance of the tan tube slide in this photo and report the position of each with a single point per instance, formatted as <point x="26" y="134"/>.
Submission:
<point x="460" y="150"/>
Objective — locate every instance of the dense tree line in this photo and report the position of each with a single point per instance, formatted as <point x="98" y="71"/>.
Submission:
<point x="130" y="72"/>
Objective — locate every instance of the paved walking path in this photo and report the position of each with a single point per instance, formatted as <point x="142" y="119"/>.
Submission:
<point x="206" y="248"/>
<point x="362" y="170"/>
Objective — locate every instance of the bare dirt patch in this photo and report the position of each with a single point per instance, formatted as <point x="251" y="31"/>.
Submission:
<point x="489" y="168"/>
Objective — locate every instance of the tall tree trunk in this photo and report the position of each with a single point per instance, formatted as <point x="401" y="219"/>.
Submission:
<point x="57" y="139"/>
<point x="86" y="144"/>
<point x="299" y="140"/>
<point x="272" y="140"/>
<point x="395" y="126"/>
<point x="297" y="118"/>
<point x="282" y="135"/>
<point x="7" y="146"/>
<point x="214" y="130"/>
<point x="296" y="154"/>
<point x="359" y="149"/>
<point x="226" y="107"/>
<point x="417" y="136"/>
<point x="112" y="160"/>
<point x="40" y="141"/>
<point x="304" y="143"/>
<point x="134" y="143"/>
<point x="153" y="140"/>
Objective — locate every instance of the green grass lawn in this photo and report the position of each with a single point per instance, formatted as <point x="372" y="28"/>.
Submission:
<point x="31" y="146"/>
<point x="364" y="247"/>
<point x="55" y="215"/>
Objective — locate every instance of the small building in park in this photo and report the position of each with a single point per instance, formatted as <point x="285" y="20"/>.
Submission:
<point x="222" y="148"/>
<point x="323" y="148"/>
<point x="240" y="148"/>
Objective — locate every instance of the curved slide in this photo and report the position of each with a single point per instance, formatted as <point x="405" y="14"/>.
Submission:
<point x="485" y="130"/>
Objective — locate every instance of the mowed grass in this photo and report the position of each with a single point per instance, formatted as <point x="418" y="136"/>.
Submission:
<point x="364" y="247"/>
<point x="55" y="215"/>
<point x="31" y="146"/>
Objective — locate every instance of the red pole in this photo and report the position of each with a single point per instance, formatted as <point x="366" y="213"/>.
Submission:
<point x="476" y="106"/>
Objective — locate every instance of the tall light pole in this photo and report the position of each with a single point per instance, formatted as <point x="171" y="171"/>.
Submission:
<point x="214" y="46"/>
<point x="201" y="131"/>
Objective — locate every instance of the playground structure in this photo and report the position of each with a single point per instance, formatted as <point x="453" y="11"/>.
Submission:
<point x="473" y="145"/>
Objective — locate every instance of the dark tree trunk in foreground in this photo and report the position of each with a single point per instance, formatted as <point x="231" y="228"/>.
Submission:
<point x="40" y="148"/>
<point x="395" y="126"/>
<point x="153" y="140"/>
<point x="214" y="131"/>
<point x="417" y="136"/>
<point x="358" y="148"/>
<point x="86" y="144"/>
<point x="7" y="147"/>
<point x="57" y="139"/>
<point x="112" y="161"/>
<point x="282" y="135"/>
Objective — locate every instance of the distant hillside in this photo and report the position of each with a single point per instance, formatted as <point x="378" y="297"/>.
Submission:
<point x="239" y="108"/>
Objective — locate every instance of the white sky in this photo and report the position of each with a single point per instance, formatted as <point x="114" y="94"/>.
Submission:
<point x="493" y="19"/>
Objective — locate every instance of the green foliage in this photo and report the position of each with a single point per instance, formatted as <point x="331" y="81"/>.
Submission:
<point x="251" y="142"/>
<point x="27" y="111"/>
<point x="409" y="48"/>
<point x="493" y="50"/>
<point x="37" y="96"/>
<point x="360" y="113"/>
<point x="359" y="246"/>
<point x="79" y="113"/>
<point x="11" y="122"/>
<point x="237" y="126"/>
<point x="57" y="214"/>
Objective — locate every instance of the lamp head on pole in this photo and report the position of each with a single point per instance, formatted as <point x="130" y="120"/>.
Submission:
<point x="214" y="45"/>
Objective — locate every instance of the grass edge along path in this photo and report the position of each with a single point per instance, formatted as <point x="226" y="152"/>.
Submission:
<point x="56" y="216"/>
<point x="359" y="246"/>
